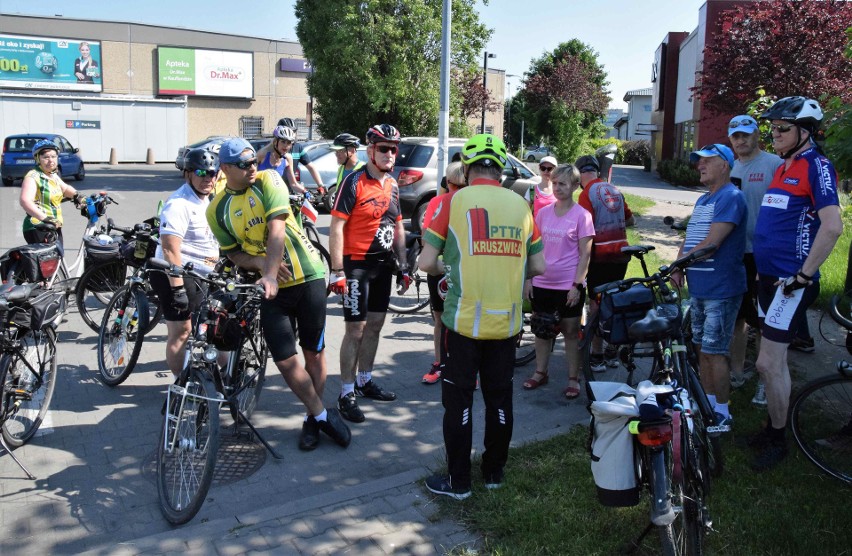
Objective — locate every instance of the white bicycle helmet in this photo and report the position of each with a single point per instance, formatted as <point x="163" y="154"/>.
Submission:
<point x="285" y="133"/>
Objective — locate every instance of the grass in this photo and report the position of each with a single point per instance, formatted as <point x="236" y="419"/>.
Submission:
<point x="833" y="270"/>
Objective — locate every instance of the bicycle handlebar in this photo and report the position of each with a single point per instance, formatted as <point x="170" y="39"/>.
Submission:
<point x="659" y="278"/>
<point x="187" y="270"/>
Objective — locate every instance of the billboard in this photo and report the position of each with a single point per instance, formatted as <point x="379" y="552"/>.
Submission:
<point x="50" y="63"/>
<point x="209" y="73"/>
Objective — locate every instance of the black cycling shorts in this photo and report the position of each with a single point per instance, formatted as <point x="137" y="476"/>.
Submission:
<point x="551" y="301"/>
<point x="369" y="288"/>
<point x="195" y="291"/>
<point x="297" y="310"/>
<point x="604" y="273"/>
<point x="434" y="298"/>
<point x="780" y="318"/>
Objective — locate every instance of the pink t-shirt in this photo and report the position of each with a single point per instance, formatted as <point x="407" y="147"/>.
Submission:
<point x="541" y="199"/>
<point x="561" y="236"/>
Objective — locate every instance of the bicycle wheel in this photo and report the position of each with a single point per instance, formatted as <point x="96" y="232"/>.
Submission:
<point x="23" y="414"/>
<point x="119" y="337"/>
<point x="155" y="310"/>
<point x="704" y="417"/>
<point x="186" y="454"/>
<point x="416" y="297"/>
<point x="96" y="287"/>
<point x="821" y="419"/>
<point x="251" y="371"/>
<point x="525" y="346"/>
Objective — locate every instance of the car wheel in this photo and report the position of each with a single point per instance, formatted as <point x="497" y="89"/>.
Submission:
<point x="530" y="158"/>
<point x="420" y="215"/>
<point x="81" y="175"/>
<point x="329" y="198"/>
<point x="8" y="182"/>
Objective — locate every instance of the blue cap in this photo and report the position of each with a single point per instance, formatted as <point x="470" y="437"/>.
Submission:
<point x="716" y="149"/>
<point x="742" y="124"/>
<point x="231" y="151"/>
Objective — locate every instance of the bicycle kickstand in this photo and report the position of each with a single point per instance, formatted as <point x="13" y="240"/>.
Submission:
<point x="21" y="465"/>
<point x="266" y="445"/>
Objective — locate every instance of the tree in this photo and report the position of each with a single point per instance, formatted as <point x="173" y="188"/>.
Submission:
<point x="564" y="99"/>
<point x="786" y="47"/>
<point x="379" y="61"/>
<point x="838" y="144"/>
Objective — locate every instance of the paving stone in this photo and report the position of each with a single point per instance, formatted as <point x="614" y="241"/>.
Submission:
<point x="330" y="541"/>
<point x="353" y="531"/>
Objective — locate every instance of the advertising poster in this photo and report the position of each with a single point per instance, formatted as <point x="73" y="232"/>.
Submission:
<point x="209" y="73"/>
<point x="50" y="63"/>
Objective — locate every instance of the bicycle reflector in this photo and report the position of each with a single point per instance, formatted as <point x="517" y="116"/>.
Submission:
<point x="48" y="267"/>
<point x="652" y="434"/>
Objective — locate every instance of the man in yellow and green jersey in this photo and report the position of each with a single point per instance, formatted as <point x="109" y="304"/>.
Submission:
<point x="252" y="220"/>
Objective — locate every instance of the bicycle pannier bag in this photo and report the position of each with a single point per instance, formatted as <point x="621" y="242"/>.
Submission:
<point x="31" y="263"/>
<point x="613" y="460"/>
<point x="46" y="309"/>
<point x="621" y="309"/>
<point x="99" y="250"/>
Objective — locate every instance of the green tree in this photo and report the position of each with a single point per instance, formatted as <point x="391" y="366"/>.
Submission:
<point x="565" y="99"/>
<point x="379" y="61"/>
<point x="838" y="134"/>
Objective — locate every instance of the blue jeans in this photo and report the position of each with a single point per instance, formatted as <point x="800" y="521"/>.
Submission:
<point x="713" y="323"/>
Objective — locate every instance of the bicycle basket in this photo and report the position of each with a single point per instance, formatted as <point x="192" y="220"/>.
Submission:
<point x="100" y="248"/>
<point x="30" y="263"/>
<point x="621" y="309"/>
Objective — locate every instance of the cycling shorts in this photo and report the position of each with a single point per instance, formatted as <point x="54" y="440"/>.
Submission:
<point x="369" y="288"/>
<point x="297" y="310"/>
<point x="195" y="291"/>
<point x="551" y="301"/>
<point x="436" y="300"/>
<point x="780" y="316"/>
<point x="604" y="273"/>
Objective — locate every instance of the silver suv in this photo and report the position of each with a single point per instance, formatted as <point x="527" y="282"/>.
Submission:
<point x="416" y="172"/>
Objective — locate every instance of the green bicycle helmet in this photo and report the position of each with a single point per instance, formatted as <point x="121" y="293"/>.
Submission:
<point x="485" y="149"/>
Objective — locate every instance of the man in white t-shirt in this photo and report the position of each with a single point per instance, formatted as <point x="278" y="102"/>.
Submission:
<point x="186" y="237"/>
<point x="753" y="171"/>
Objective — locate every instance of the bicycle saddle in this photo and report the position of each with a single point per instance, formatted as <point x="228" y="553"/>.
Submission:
<point x="637" y="249"/>
<point x="656" y="325"/>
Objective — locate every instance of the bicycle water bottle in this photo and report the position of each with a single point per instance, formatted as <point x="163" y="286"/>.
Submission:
<point x="141" y="250"/>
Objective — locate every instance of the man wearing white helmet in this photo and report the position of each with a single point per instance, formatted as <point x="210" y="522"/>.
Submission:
<point x="797" y="227"/>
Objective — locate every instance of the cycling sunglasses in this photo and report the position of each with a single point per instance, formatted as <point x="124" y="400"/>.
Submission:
<point x="385" y="149"/>
<point x="781" y="128"/>
<point x="545" y="168"/>
<point x="205" y="173"/>
<point x="744" y="122"/>
<point x="246" y="164"/>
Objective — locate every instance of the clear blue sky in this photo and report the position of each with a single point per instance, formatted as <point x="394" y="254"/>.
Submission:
<point x="625" y="33"/>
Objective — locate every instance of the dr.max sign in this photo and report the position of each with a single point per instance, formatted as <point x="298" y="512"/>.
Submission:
<point x="210" y="73"/>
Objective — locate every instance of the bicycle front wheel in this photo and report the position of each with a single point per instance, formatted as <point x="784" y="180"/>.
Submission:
<point x="120" y="337"/>
<point x="26" y="398"/>
<point x="414" y="298"/>
<point x="251" y="371"/>
<point x="821" y="419"/>
<point x="95" y="289"/>
<point x="186" y="454"/>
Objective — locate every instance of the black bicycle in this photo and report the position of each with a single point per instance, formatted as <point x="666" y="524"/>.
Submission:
<point x="416" y="297"/>
<point x="821" y="414"/>
<point x="186" y="454"/>
<point x="28" y="317"/>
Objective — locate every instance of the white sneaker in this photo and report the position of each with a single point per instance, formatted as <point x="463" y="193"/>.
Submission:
<point x="759" y="399"/>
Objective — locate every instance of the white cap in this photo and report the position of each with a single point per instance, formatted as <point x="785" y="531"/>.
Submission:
<point x="549" y="159"/>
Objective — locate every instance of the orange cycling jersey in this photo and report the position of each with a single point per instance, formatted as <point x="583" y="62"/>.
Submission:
<point x="371" y="210"/>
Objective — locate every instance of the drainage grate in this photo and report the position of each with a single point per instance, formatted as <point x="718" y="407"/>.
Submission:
<point x="238" y="458"/>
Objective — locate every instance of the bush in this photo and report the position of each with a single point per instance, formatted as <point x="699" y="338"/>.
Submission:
<point x="636" y="153"/>
<point x="678" y="172"/>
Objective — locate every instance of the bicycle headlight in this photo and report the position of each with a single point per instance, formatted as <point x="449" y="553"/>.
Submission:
<point x="211" y="354"/>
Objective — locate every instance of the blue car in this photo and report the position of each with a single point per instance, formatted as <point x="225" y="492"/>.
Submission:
<point x="18" y="157"/>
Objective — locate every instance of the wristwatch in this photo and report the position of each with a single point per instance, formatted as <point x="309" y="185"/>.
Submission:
<point x="578" y="286"/>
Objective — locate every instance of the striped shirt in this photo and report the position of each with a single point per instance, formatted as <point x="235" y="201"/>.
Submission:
<point x="48" y="196"/>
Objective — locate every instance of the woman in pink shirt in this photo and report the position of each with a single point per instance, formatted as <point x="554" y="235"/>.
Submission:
<point x="567" y="231"/>
<point x="541" y="194"/>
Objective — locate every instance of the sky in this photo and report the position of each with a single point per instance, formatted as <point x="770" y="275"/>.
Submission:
<point x="625" y="33"/>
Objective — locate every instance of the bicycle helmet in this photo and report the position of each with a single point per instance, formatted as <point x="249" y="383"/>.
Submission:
<point x="285" y="133"/>
<point x="287" y="122"/>
<point x="382" y="133"/>
<point x="485" y="149"/>
<point x="345" y="141"/>
<point x="802" y="111"/>
<point x="545" y="325"/>
<point x="201" y="159"/>
<point x="42" y="145"/>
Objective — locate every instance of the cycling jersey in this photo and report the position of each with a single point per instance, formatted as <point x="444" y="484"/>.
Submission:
<point x="184" y="216"/>
<point x="48" y="196"/>
<point x="486" y="234"/>
<point x="238" y="220"/>
<point x="788" y="221"/>
<point x="265" y="164"/>
<point x="371" y="210"/>
<point x="610" y="213"/>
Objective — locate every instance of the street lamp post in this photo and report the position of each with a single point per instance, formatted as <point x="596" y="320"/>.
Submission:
<point x="508" y="131"/>
<point x="485" y="83"/>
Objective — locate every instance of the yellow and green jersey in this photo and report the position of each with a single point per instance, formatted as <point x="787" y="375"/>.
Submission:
<point x="238" y="220"/>
<point x="48" y="196"/>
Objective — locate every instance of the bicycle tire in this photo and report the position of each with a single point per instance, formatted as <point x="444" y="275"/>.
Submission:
<point x="821" y="420"/>
<point x="96" y="287"/>
<point x="155" y="310"/>
<point x="185" y="467"/>
<point x="525" y="344"/>
<point x="251" y="372"/>
<point x="706" y="414"/>
<point x="22" y="422"/>
<point x="415" y="298"/>
<point x="118" y="330"/>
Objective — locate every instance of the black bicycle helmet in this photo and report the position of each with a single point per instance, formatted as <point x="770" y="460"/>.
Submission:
<point x="545" y="325"/>
<point x="802" y="111"/>
<point x="201" y="159"/>
<point x="345" y="141"/>
<point x="382" y="133"/>
<point x="287" y="122"/>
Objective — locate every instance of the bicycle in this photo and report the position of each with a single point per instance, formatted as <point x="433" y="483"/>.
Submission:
<point x="821" y="414"/>
<point x="301" y="205"/>
<point x="678" y="450"/>
<point x="416" y="297"/>
<point x="28" y="318"/>
<point x="186" y="454"/>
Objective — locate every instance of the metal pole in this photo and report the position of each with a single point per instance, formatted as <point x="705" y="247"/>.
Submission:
<point x="485" y="84"/>
<point x="444" y="101"/>
<point x="522" y="138"/>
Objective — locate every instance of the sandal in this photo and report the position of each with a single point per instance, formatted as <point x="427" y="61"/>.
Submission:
<point x="532" y="383"/>
<point x="572" y="392"/>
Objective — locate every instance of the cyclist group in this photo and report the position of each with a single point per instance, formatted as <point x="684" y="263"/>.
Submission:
<point x="237" y="203"/>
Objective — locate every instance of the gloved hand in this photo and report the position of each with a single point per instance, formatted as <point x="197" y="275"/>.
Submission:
<point x="792" y="284"/>
<point x="443" y="287"/>
<point x="77" y="199"/>
<point x="403" y="280"/>
<point x="50" y="220"/>
<point x="180" y="299"/>
<point x="308" y="196"/>
<point x="337" y="284"/>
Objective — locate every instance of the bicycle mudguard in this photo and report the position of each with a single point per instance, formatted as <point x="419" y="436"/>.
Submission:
<point x="662" y="513"/>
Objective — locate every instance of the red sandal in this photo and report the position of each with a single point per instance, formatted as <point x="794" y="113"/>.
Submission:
<point x="572" y="392"/>
<point x="532" y="383"/>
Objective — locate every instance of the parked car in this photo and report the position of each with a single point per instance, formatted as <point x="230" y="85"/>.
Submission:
<point x="322" y="158"/>
<point x="536" y="154"/>
<point x="212" y="143"/>
<point x="416" y="172"/>
<point x="18" y="157"/>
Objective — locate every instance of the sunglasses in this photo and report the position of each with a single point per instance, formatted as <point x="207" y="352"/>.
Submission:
<point x="781" y="128"/>
<point x="205" y="173"/>
<point x="743" y="122"/>
<point x="246" y="164"/>
<point x="546" y="168"/>
<point x="385" y="149"/>
<point x="715" y="149"/>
